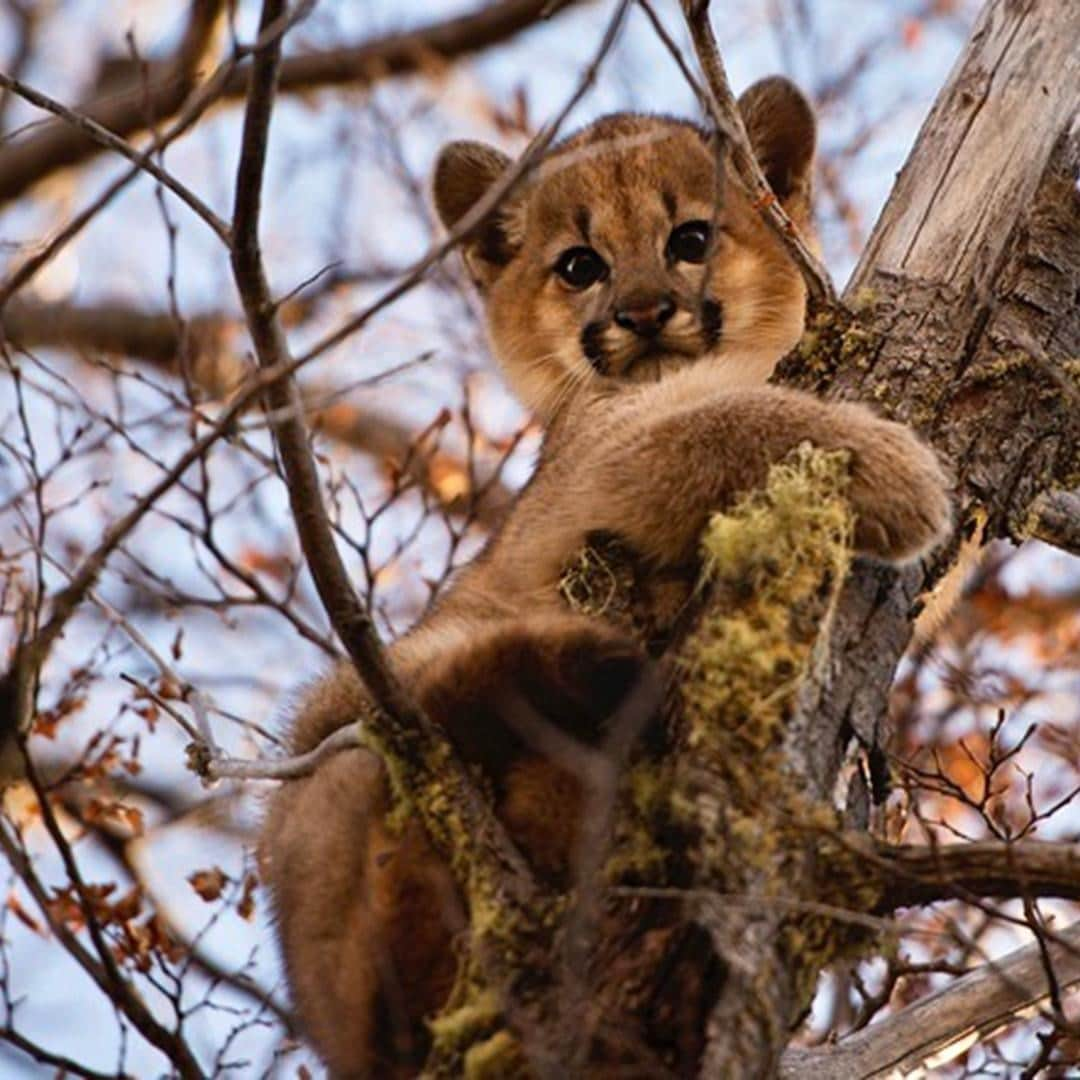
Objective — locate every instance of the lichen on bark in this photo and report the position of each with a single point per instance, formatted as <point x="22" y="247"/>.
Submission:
<point x="773" y="566"/>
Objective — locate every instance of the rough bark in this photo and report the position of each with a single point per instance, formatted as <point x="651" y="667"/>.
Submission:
<point x="965" y="324"/>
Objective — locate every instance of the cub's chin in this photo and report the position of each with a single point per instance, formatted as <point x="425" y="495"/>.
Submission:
<point x="656" y="364"/>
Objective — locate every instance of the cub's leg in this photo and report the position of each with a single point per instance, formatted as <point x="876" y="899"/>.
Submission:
<point x="520" y="701"/>
<point x="366" y="917"/>
<point x="367" y="914"/>
<point x="654" y="480"/>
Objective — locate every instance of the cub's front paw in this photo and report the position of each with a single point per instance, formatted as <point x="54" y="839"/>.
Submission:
<point x="900" y="492"/>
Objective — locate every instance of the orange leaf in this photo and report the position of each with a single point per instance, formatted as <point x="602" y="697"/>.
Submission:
<point x="246" y="907"/>
<point x="24" y="916"/>
<point x="209" y="883"/>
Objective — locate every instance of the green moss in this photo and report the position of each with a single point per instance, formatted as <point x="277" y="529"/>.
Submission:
<point x="497" y="1058"/>
<point x="1000" y="369"/>
<point x="638" y="855"/>
<point x="471" y="1016"/>
<point x="772" y="568"/>
<point x="834" y="337"/>
<point x="772" y="554"/>
<point x="864" y="300"/>
<point x="775" y="564"/>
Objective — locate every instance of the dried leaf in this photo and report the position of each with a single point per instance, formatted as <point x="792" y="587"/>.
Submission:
<point x="209" y="883"/>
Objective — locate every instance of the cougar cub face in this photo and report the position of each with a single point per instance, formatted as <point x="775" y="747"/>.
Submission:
<point x="632" y="250"/>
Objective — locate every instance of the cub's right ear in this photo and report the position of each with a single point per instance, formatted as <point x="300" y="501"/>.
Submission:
<point x="463" y="172"/>
<point x="783" y="132"/>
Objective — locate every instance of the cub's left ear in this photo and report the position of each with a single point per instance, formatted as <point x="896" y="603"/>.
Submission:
<point x="783" y="133"/>
<point x="463" y="173"/>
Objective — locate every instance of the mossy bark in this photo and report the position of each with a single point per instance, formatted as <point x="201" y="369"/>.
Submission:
<point x="773" y="568"/>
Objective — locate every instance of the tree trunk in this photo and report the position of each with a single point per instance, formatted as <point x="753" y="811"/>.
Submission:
<point x="966" y="324"/>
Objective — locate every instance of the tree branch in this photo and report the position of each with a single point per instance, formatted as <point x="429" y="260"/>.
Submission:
<point x="103" y="971"/>
<point x="1057" y="520"/>
<point x="126" y="109"/>
<point x="399" y="727"/>
<point x="106" y="140"/>
<point x="123" y="112"/>
<point x="922" y="874"/>
<point x="17" y="685"/>
<point x="219" y="767"/>
<point x="974" y="1005"/>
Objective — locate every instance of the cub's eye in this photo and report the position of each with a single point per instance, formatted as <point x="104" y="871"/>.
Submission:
<point x="581" y="267"/>
<point x="689" y="242"/>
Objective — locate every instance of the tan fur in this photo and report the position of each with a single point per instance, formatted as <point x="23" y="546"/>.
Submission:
<point x="647" y="435"/>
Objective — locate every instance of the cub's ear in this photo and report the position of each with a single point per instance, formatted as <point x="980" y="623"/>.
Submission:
<point x="463" y="172"/>
<point x="783" y="133"/>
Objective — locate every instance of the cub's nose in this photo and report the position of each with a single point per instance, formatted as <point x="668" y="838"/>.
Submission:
<point x="645" y="318"/>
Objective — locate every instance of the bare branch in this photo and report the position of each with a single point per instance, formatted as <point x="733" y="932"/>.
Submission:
<point x="91" y="129"/>
<point x="400" y="724"/>
<point x="16" y="686"/>
<point x="975" y="1004"/>
<point x="1057" y="520"/>
<point x="213" y="767"/>
<point x="125" y="111"/>
<point x="104" y="972"/>
<point x="722" y="107"/>
<point x="923" y="874"/>
<point x="58" y="145"/>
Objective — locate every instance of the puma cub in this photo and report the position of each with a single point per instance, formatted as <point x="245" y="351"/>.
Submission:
<point x="637" y="304"/>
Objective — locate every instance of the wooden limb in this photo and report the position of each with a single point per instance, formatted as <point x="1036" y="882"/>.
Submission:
<point x="724" y="111"/>
<point x="170" y="81"/>
<point x="219" y="767"/>
<point x="952" y="212"/>
<point x="745" y="668"/>
<point x="1057" y="520"/>
<point x="922" y="874"/>
<point x="17" y="686"/>
<point x="973" y="1006"/>
<point x="125" y="110"/>
<point x="60" y="1065"/>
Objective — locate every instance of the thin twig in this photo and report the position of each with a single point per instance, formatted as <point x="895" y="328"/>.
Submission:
<point x="143" y="160"/>
<point x="724" y="111"/>
<point x="492" y="198"/>
<point x="214" y="767"/>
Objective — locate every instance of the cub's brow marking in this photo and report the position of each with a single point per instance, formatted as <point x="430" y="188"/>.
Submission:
<point x="565" y="159"/>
